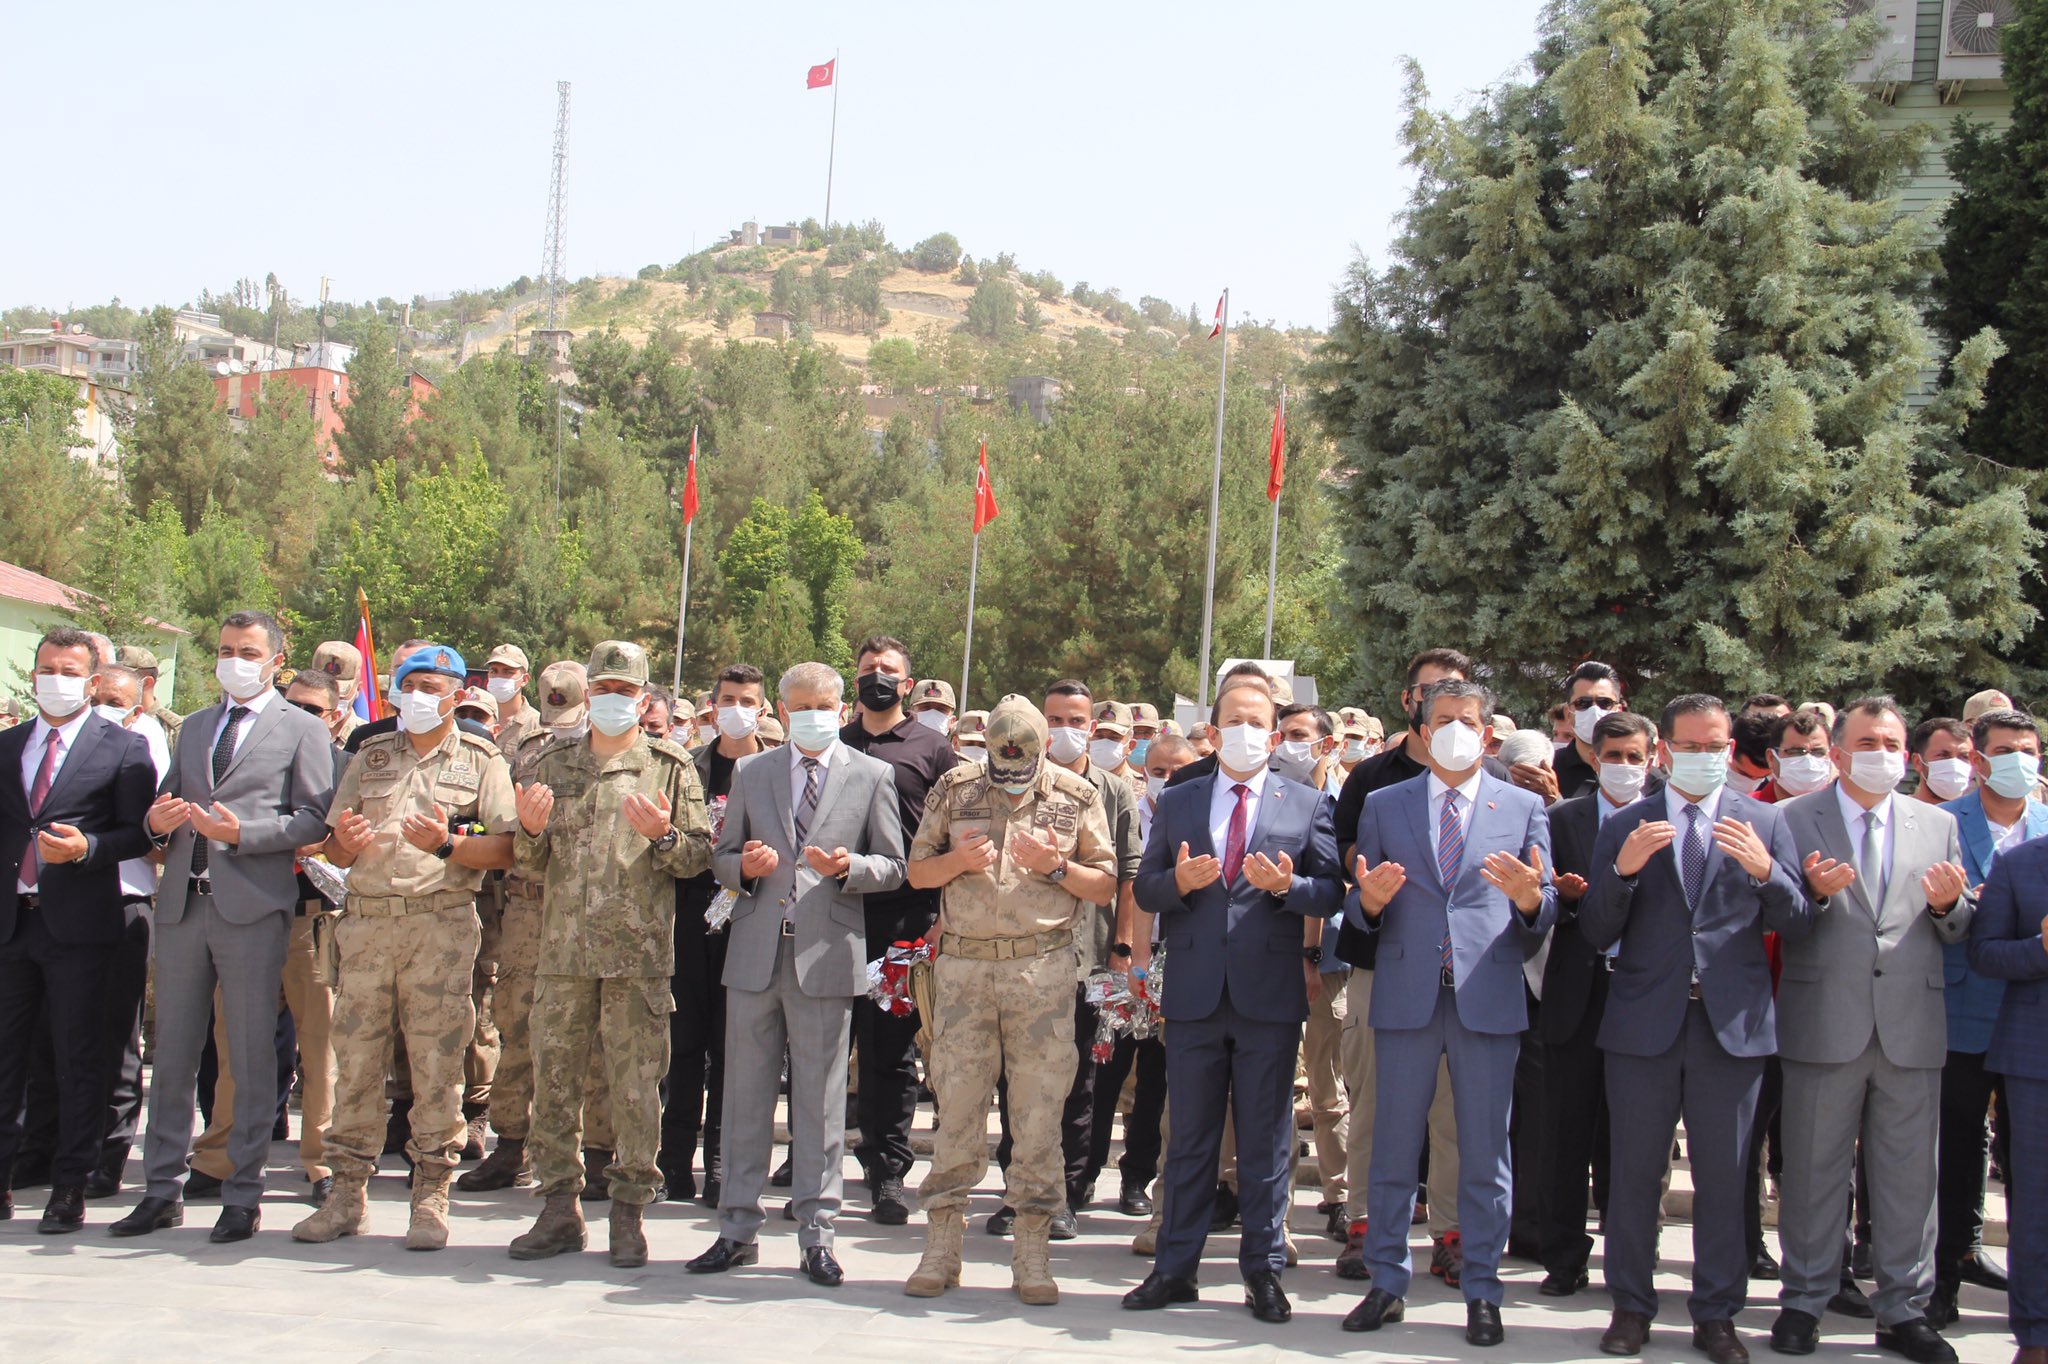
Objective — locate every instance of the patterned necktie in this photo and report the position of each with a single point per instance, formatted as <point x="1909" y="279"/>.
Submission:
<point x="807" y="803"/>
<point x="1872" y="869"/>
<point x="223" y="754"/>
<point x="1233" y="843"/>
<point x="46" y="775"/>
<point x="1693" y="863"/>
<point x="1450" y="852"/>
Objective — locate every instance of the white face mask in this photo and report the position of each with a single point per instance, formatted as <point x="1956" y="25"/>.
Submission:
<point x="419" y="712"/>
<point x="1699" y="774"/>
<point x="933" y="720"/>
<point x="1623" y="782"/>
<point x="2013" y="774"/>
<point x="1948" y="778"/>
<point x="612" y="714"/>
<point x="1584" y="720"/>
<point x="1066" y="743"/>
<point x="1804" y="774"/>
<point x="1294" y="759"/>
<point x="813" y="731"/>
<point x="502" y="689"/>
<point x="737" y="722"/>
<point x="1355" y="751"/>
<point x="240" y="678"/>
<point x="975" y="753"/>
<point x="115" y="715"/>
<point x="1153" y="786"/>
<point x="1743" y="786"/>
<point x="574" y="731"/>
<point x="60" y="696"/>
<point x="1877" y="772"/>
<point x="1456" y="746"/>
<point x="1245" y="748"/>
<point x="1106" y="753"/>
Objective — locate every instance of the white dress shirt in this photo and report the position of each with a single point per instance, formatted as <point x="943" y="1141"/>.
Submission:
<point x="139" y="874"/>
<point x="256" y="705"/>
<point x="1438" y="792"/>
<point x="1223" y="800"/>
<point x="1852" y="819"/>
<point x="32" y="759"/>
<point x="796" y="770"/>
<point x="1674" y="811"/>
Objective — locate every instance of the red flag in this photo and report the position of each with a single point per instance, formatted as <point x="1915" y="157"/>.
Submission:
<point x="1217" y="330"/>
<point x="821" y="76"/>
<point x="690" y="482"/>
<point x="369" y="702"/>
<point x="984" y="495"/>
<point x="1278" y="455"/>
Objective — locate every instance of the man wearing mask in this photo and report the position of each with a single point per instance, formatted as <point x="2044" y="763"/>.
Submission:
<point x="505" y="677"/>
<point x="707" y="719"/>
<point x="1112" y="748"/>
<point x="1992" y="820"/>
<point x="343" y="662"/>
<point x="1144" y="729"/>
<point x="394" y="722"/>
<point x="1591" y="690"/>
<point x="611" y="824"/>
<point x="918" y="756"/>
<point x="1308" y="747"/>
<point x="420" y="817"/>
<point x="933" y="707"/>
<point x="1355" y="745"/>
<point x="144" y="662"/>
<point x="970" y="737"/>
<point x="696" y="1066"/>
<point x="1941" y="751"/>
<point x="1800" y="761"/>
<point x="657" y="717"/>
<point x="1861" y="1037"/>
<point x="1205" y="738"/>
<point x="479" y="707"/>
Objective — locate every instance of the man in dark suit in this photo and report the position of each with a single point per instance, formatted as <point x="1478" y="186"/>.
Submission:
<point x="1686" y="882"/>
<point x="74" y="790"/>
<point x="1233" y="867"/>
<point x="2009" y="942"/>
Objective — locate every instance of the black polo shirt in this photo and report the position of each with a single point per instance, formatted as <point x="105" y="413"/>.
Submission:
<point x="918" y="756"/>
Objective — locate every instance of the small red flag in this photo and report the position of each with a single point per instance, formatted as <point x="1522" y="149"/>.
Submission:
<point x="821" y="76"/>
<point x="369" y="703"/>
<point x="1278" y="455"/>
<point x="984" y="495"/>
<point x="1217" y="330"/>
<point x="690" y="482"/>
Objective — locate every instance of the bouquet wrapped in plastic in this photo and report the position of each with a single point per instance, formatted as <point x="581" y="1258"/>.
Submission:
<point x="718" y="913"/>
<point x="889" y="978"/>
<point x="1126" y="1004"/>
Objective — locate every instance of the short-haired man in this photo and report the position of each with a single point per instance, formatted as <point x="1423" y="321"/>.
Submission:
<point x="1591" y="690"/>
<point x="657" y="717"/>
<point x="144" y="662"/>
<point x="1800" y="757"/>
<point x="1941" y="751"/>
<point x="505" y="677"/>
<point x="932" y="705"/>
<point x="1209" y="741"/>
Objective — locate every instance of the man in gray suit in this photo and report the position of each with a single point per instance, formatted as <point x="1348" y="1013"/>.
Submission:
<point x="1863" y="1033"/>
<point x="809" y="829"/>
<point x="249" y="786"/>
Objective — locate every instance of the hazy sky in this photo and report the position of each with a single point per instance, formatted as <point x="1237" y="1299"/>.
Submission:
<point x="1161" y="148"/>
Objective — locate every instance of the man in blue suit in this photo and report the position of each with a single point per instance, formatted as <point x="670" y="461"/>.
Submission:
<point x="1686" y="881"/>
<point x="1452" y="936"/>
<point x="1234" y="864"/>
<point x="2009" y="942"/>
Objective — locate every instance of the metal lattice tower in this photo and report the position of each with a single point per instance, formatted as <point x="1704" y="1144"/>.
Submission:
<point x="551" y="248"/>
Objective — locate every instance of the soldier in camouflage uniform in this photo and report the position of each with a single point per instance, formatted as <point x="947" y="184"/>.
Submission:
<point x="611" y="822"/>
<point x="343" y="662"/>
<point x="144" y="662"/>
<point x="408" y="938"/>
<point x="1021" y="847"/>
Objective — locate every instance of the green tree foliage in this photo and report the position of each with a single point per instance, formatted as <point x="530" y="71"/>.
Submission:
<point x="1633" y="386"/>
<point x="936" y="254"/>
<point x="992" y="312"/>
<point x="373" y="423"/>
<point x="50" y="493"/>
<point x="180" y="450"/>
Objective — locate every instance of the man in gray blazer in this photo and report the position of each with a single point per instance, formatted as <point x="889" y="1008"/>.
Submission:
<point x="809" y="829"/>
<point x="249" y="786"/>
<point x="1863" y="1033"/>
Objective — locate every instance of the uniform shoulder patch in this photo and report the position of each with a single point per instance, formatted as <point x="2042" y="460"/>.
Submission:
<point x="671" y="750"/>
<point x="376" y="757"/>
<point x="489" y="746"/>
<point x="1078" y="789"/>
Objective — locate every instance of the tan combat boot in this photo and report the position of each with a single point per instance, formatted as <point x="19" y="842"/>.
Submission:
<point x="629" y="1241"/>
<point x="1030" y="1274"/>
<point x="939" y="1270"/>
<point x="429" y="1227"/>
<point x="559" y="1228"/>
<point x="504" y="1167"/>
<point x="343" y="1214"/>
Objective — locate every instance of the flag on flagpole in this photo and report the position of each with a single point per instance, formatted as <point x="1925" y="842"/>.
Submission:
<point x="1277" y="456"/>
<point x="369" y="702"/>
<point x="820" y="76"/>
<point x="1217" y="330"/>
<point x="690" y="482"/>
<point x="984" y="495"/>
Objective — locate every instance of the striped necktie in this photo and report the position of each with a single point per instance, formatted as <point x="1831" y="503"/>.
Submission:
<point x="1450" y="852"/>
<point x="807" y="803"/>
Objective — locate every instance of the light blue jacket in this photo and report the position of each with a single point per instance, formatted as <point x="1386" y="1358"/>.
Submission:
<point x="1972" y="999"/>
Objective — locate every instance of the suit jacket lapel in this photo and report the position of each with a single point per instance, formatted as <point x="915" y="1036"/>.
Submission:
<point x="1418" y="815"/>
<point x="1909" y="834"/>
<point x="13" y="743"/>
<point x="783" y="798"/>
<point x="834" y="779"/>
<point x="2037" y="818"/>
<point x="1976" y="835"/>
<point x="1267" y="813"/>
<point x="259" y="725"/>
<point x="1836" y="843"/>
<point x="89" y="736"/>
<point x="1200" y="796"/>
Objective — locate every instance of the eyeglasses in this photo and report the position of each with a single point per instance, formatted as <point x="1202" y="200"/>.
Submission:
<point x="1588" y="702"/>
<point x="317" y="712"/>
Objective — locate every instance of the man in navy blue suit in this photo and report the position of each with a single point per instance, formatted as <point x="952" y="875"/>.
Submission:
<point x="1234" y="864"/>
<point x="1443" y="886"/>
<point x="2009" y="942"/>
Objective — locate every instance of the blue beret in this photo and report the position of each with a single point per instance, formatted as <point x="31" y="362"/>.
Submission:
<point x="435" y="658"/>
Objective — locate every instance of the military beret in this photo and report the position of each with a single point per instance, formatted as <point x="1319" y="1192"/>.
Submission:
<point x="434" y="658"/>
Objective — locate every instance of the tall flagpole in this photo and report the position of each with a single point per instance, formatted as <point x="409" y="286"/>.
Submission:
<point x="683" y="599"/>
<point x="1273" y="551"/>
<point x="832" y="148"/>
<point x="967" y="660"/>
<point x="1215" y="502"/>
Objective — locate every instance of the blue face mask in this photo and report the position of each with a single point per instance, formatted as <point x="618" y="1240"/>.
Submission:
<point x="1699" y="774"/>
<point x="2013" y="774"/>
<point x="1138" y="751"/>
<point x="813" y="730"/>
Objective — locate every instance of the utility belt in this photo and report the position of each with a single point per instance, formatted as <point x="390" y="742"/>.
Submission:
<point x="1005" y="949"/>
<point x="406" y="906"/>
<point x="522" y="889"/>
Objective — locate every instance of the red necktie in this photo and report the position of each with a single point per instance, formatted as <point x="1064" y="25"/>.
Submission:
<point x="53" y="744"/>
<point x="1233" y="843"/>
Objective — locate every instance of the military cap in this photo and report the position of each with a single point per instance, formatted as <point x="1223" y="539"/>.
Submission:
<point x="1113" y="717"/>
<point x="1374" y="729"/>
<point x="707" y="704"/>
<point x="476" y="698"/>
<point x="1983" y="701"/>
<point x="511" y="655"/>
<point x="973" y="727"/>
<point x="1144" y="713"/>
<point x="769" y="730"/>
<point x="1503" y="725"/>
<point x="925" y="693"/>
<point x="1355" y="731"/>
<point x="136" y="657"/>
<point x="1350" y="715"/>
<point x="618" y="660"/>
<point x="339" y="659"/>
<point x="1171" y="729"/>
<point x="1283" y="692"/>
<point x="433" y="658"/>
<point x="564" y="695"/>
<point x="1016" y="741"/>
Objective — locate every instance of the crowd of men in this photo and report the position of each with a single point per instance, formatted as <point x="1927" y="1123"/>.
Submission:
<point x="611" y="930"/>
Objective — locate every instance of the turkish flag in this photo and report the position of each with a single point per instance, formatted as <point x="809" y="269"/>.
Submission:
<point x="821" y="76"/>
<point x="984" y="495"/>
<point x="1278" y="455"/>
<point x="1217" y="330"/>
<point x="690" y="483"/>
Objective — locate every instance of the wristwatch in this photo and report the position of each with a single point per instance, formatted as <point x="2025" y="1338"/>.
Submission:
<point x="667" y="840"/>
<point x="1312" y="955"/>
<point x="447" y="848"/>
<point x="1122" y="949"/>
<point x="1059" y="873"/>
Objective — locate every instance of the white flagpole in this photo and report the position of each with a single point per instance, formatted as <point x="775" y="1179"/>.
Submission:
<point x="832" y="148"/>
<point x="1215" y="502"/>
<point x="973" y="572"/>
<point x="1273" y="552"/>
<point x="683" y="601"/>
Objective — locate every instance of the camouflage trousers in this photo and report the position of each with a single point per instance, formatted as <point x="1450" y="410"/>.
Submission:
<point x="1001" y="1018"/>
<point x="621" y="1025"/>
<point x="512" y="1010"/>
<point x="480" y="1058"/>
<point x="405" y="977"/>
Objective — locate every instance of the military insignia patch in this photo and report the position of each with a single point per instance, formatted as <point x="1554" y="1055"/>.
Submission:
<point x="377" y="759"/>
<point x="555" y="698"/>
<point x="332" y="667"/>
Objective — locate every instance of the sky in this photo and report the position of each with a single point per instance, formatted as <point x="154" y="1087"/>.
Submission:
<point x="403" y="149"/>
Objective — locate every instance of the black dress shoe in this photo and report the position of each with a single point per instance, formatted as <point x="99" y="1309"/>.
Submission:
<point x="1942" y="1309"/>
<point x="1850" y="1302"/>
<point x="1718" y="1342"/>
<point x="1761" y="1265"/>
<point x="890" y="1208"/>
<point x="1562" y="1283"/>
<point x="1336" y="1221"/>
<point x="725" y="1254"/>
<point x="1132" y="1202"/>
<point x="1917" y="1341"/>
<point x="821" y="1269"/>
<point x="1223" y="1216"/>
<point x="1859" y="1261"/>
<point x="6" y="1205"/>
<point x="1975" y="1268"/>
<point x="1160" y="1290"/>
<point x="236" y="1223"/>
<point x="1482" y="1324"/>
<point x="151" y="1214"/>
<point x="1379" y="1308"/>
<point x="198" y="1185"/>
<point x="1263" y="1294"/>
<point x="66" y="1210"/>
<point x="1001" y="1221"/>
<point x="1626" y="1334"/>
<point x="712" y="1189"/>
<point x="100" y="1184"/>
<point x="1795" y="1332"/>
<point x="785" y="1174"/>
<point x="1065" y="1226"/>
<point x="317" y="1190"/>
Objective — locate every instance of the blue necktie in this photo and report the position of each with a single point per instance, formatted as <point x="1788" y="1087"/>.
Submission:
<point x="1450" y="851"/>
<point x="1693" y="862"/>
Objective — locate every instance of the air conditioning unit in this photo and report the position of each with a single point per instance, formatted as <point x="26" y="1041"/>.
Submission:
<point x="1970" y="34"/>
<point x="1890" y="63"/>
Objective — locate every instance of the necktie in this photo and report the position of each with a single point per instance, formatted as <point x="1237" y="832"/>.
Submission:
<point x="1872" y="868"/>
<point x="223" y="754"/>
<point x="46" y="775"/>
<point x="1450" y="851"/>
<point x="1233" y="842"/>
<point x="1693" y="861"/>
<point x="807" y="803"/>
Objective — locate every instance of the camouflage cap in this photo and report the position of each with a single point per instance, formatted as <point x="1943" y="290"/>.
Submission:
<point x="1983" y="701"/>
<point x="1113" y="717"/>
<point x="1145" y="713"/>
<point x="973" y="727"/>
<point x="1283" y="692"/>
<point x="707" y="704"/>
<point x="476" y="698"/>
<point x="564" y="695"/>
<point x="618" y="660"/>
<point x="136" y="657"/>
<point x="511" y="655"/>
<point x="769" y="730"/>
<point x="1170" y="729"/>
<point x="1016" y="741"/>
<point x="1503" y="725"/>
<point x="1359" y="732"/>
<point x="925" y="693"/>
<point x="339" y="659"/>
<point x="1350" y="715"/>
<point x="432" y="658"/>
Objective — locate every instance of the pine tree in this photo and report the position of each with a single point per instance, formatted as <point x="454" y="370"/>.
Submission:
<point x="1633" y="387"/>
<point x="180" y="450"/>
<point x="373" y="423"/>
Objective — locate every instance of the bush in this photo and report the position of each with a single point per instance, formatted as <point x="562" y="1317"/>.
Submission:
<point x="936" y="254"/>
<point x="992" y="312"/>
<point x="968" y="274"/>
